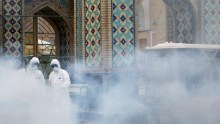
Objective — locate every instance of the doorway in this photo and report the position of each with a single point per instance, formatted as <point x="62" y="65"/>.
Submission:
<point x="46" y="36"/>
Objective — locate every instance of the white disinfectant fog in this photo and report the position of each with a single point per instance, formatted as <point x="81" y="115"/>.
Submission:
<point x="24" y="100"/>
<point x="180" y="88"/>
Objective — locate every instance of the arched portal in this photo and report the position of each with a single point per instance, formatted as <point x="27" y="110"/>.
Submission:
<point x="49" y="35"/>
<point x="181" y="21"/>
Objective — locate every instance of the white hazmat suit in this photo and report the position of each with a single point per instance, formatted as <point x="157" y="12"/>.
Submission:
<point x="33" y="71"/>
<point x="58" y="78"/>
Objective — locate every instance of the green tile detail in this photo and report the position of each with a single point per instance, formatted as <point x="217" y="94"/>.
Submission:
<point x="12" y="27"/>
<point x="123" y="33"/>
<point x="211" y="18"/>
<point x="93" y="33"/>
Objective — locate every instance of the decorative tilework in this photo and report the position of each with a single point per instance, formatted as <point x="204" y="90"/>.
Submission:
<point x="93" y="32"/>
<point x="28" y="1"/>
<point x="211" y="21"/>
<point x="62" y="2"/>
<point x="64" y="43"/>
<point x="170" y="25"/>
<point x="123" y="32"/>
<point x="79" y="30"/>
<point x="61" y="5"/>
<point x="1" y="50"/>
<point x="12" y="27"/>
<point x="184" y="20"/>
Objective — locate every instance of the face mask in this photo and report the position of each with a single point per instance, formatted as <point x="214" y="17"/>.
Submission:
<point x="34" y="68"/>
<point x="55" y="69"/>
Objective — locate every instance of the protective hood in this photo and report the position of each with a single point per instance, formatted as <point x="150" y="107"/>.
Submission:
<point x="55" y="61"/>
<point x="32" y="64"/>
<point x="34" y="60"/>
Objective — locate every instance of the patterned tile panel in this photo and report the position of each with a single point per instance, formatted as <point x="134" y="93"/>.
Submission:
<point x="123" y="32"/>
<point x="79" y="30"/>
<point x="211" y="21"/>
<point x="1" y="50"/>
<point x="93" y="33"/>
<point x="170" y="25"/>
<point x="184" y="20"/>
<point x="12" y="27"/>
<point x="64" y="44"/>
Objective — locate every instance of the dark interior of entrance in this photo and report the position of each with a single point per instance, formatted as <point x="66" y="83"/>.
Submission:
<point x="46" y="37"/>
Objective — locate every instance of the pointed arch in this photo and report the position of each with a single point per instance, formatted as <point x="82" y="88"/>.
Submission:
<point x="184" y="20"/>
<point x="61" y="21"/>
<point x="48" y="5"/>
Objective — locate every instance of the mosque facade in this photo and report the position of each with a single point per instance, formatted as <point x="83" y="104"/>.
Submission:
<point x="103" y="38"/>
<point x="103" y="35"/>
<point x="92" y="33"/>
<point x="179" y="21"/>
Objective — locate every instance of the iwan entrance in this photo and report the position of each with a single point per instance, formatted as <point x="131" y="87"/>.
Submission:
<point x="46" y="35"/>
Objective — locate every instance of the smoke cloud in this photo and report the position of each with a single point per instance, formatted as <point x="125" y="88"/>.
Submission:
<point x="180" y="86"/>
<point x="25" y="100"/>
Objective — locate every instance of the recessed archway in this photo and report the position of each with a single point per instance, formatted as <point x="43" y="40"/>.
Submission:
<point x="181" y="21"/>
<point x="53" y="29"/>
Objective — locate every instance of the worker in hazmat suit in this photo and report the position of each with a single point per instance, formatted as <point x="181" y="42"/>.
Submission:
<point x="59" y="81"/>
<point x="31" y="77"/>
<point x="58" y="78"/>
<point x="33" y="71"/>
